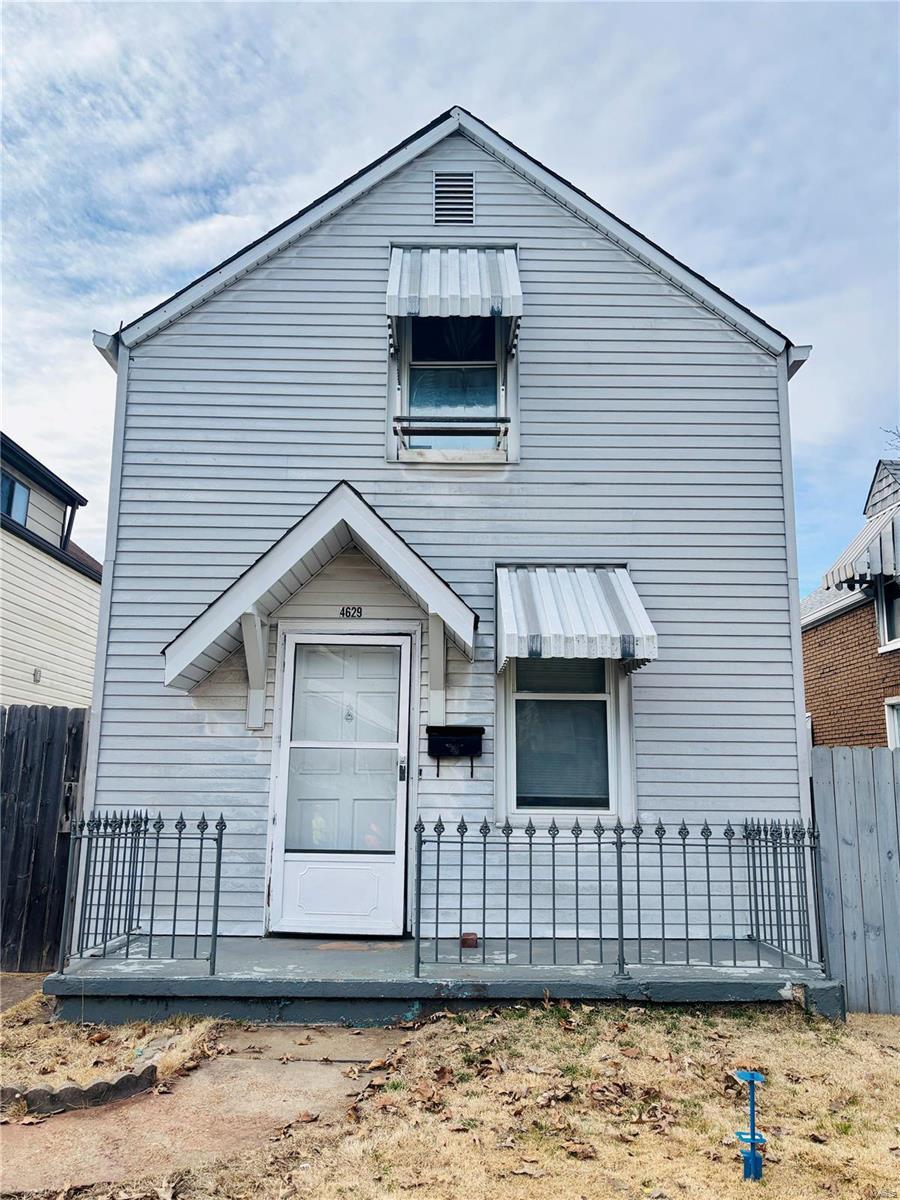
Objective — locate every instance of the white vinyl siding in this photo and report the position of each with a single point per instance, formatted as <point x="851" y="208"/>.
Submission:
<point x="649" y="437"/>
<point x="48" y="620"/>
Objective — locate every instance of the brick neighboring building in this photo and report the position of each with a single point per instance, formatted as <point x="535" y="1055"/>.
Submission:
<point x="851" y="631"/>
<point x="846" y="680"/>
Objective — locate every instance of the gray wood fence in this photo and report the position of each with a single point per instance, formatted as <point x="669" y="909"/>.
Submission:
<point x="856" y="794"/>
<point x="41" y="774"/>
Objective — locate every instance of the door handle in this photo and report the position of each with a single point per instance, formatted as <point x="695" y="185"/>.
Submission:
<point x="401" y="770"/>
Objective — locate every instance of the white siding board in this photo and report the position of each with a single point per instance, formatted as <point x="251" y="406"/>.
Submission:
<point x="649" y="435"/>
<point x="48" y="619"/>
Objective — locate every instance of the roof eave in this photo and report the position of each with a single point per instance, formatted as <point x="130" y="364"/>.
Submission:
<point x="108" y="345"/>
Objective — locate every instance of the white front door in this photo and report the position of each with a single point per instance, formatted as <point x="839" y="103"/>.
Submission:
<point x="340" y="817"/>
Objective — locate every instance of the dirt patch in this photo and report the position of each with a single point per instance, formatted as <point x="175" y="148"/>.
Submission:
<point x="36" y="1049"/>
<point x="18" y="986"/>
<point x="599" y="1101"/>
<point x="270" y="1079"/>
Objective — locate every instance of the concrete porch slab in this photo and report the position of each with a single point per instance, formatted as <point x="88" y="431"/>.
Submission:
<point x="373" y="982"/>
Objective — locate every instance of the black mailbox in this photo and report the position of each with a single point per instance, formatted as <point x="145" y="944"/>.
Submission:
<point x="455" y="741"/>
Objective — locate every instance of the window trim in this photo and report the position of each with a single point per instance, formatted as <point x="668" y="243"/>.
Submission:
<point x="507" y="402"/>
<point x="620" y="751"/>
<point x="18" y="483"/>
<point x="885" y="645"/>
<point x="892" y="721"/>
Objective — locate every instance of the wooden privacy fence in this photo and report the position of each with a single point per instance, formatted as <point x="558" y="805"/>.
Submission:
<point x="41" y="773"/>
<point x="856" y="794"/>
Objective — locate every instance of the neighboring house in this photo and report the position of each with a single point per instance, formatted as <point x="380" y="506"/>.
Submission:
<point x="49" y="588"/>
<point x="451" y="497"/>
<point x="851" y="630"/>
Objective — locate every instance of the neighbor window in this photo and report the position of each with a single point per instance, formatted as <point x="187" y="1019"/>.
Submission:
<point x="560" y="728"/>
<point x="14" y="498"/>
<point x="888" y="605"/>
<point x="892" y="716"/>
<point x="454" y="378"/>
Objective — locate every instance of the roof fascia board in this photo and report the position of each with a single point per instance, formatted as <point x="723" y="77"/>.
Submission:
<point x="232" y="269"/>
<point x="36" y="473"/>
<point x="342" y="504"/>
<point x="629" y="239"/>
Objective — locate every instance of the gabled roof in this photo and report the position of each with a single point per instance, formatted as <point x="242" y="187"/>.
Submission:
<point x="885" y="486"/>
<point x="341" y="518"/>
<point x="455" y="120"/>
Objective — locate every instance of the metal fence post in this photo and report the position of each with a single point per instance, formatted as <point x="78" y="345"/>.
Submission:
<point x="65" y="934"/>
<point x="821" y="932"/>
<point x="621" y="972"/>
<point x="217" y="884"/>
<point x="417" y="955"/>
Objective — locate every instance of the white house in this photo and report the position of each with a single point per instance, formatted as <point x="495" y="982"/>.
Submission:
<point x="49" y="588"/>
<point x="452" y="496"/>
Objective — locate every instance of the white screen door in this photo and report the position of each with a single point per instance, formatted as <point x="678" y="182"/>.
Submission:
<point x="340" y="821"/>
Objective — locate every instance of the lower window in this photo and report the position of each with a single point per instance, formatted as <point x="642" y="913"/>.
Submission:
<point x="561" y="729"/>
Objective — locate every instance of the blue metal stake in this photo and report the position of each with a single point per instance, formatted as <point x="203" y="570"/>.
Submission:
<point x="753" y="1162"/>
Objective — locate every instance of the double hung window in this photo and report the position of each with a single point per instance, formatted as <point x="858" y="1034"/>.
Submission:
<point x="453" y="382"/>
<point x="561" y="732"/>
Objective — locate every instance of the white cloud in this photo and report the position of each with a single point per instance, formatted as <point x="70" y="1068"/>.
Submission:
<point x="146" y="141"/>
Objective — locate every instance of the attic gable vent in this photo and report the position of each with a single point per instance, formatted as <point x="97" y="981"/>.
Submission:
<point x="454" y="198"/>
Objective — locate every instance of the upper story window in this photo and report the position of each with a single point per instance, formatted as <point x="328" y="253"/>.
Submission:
<point x="887" y="606"/>
<point x="454" y="315"/>
<point x="15" y="496"/>
<point x="453" y="383"/>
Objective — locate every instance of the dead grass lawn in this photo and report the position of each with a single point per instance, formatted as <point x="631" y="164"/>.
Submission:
<point x="36" y="1050"/>
<point x="590" y="1101"/>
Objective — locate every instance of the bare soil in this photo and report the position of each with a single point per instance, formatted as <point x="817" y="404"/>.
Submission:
<point x="602" y="1102"/>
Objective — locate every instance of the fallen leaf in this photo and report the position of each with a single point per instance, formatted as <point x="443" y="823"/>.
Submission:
<point x="629" y="1052"/>
<point x="33" y="1119"/>
<point x="581" y="1150"/>
<point x="102" y="1035"/>
<point x="377" y="1064"/>
<point x="307" y="1118"/>
<point x="444" y="1075"/>
<point x="819" y="1138"/>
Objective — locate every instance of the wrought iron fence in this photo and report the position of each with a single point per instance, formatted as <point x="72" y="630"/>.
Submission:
<point x="138" y="888"/>
<point x="714" y="897"/>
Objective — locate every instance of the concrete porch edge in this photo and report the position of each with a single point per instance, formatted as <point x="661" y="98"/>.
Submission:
<point x="374" y="1001"/>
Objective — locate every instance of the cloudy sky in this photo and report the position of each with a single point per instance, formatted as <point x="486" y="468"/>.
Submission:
<point x="757" y="142"/>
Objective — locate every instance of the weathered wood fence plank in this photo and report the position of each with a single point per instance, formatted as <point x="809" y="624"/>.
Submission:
<point x="40" y="793"/>
<point x="856" y="808"/>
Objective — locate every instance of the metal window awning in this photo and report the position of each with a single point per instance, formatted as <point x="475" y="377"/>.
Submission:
<point x="453" y="282"/>
<point x="874" y="551"/>
<point x="572" y="612"/>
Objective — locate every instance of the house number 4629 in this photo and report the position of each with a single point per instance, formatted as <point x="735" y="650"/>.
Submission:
<point x="351" y="610"/>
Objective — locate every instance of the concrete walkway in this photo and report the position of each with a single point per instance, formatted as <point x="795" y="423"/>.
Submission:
<point x="229" y="1104"/>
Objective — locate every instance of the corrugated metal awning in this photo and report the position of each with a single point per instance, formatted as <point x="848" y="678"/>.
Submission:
<point x="874" y="551"/>
<point x="572" y="612"/>
<point x="453" y="282"/>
